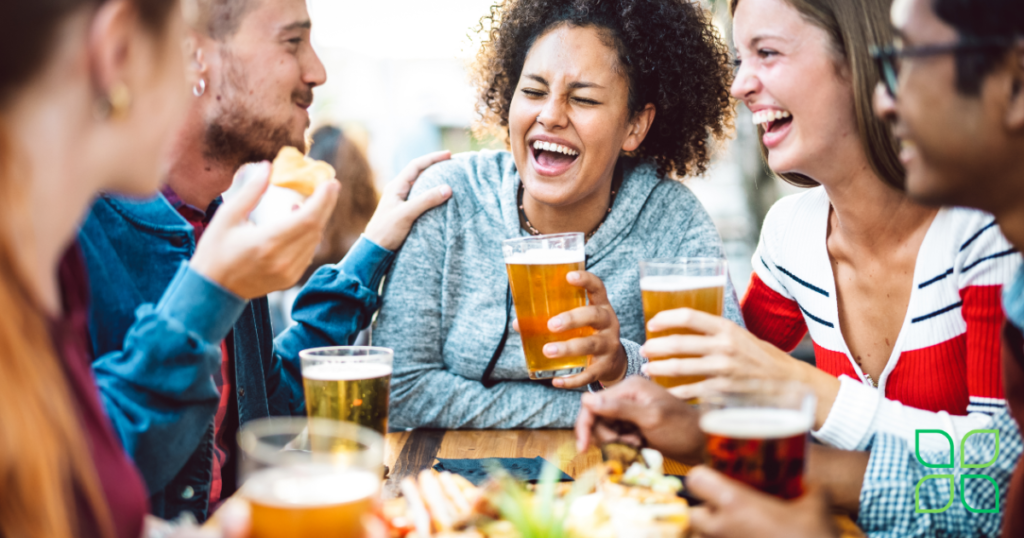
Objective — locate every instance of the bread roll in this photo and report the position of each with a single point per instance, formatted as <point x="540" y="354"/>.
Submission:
<point x="293" y="170"/>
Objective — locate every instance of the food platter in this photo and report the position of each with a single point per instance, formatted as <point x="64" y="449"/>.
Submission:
<point x="617" y="498"/>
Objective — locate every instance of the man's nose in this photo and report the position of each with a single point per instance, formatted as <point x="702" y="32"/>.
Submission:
<point x="313" y="71"/>
<point x="884" y="103"/>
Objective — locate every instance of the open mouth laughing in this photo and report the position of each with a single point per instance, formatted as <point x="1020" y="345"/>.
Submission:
<point x="552" y="158"/>
<point x="776" y="124"/>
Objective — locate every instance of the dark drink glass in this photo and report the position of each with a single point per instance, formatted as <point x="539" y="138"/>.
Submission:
<point x="757" y="433"/>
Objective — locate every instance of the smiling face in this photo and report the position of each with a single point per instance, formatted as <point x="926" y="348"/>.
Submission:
<point x="569" y="118"/>
<point x="798" y="88"/>
<point x="951" y="144"/>
<point x="263" y="77"/>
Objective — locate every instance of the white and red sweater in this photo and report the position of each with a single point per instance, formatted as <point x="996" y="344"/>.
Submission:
<point x="946" y="360"/>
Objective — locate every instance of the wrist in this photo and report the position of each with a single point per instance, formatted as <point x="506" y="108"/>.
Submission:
<point x="622" y="366"/>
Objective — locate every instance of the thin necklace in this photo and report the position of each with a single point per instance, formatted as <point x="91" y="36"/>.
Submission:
<point x="616" y="185"/>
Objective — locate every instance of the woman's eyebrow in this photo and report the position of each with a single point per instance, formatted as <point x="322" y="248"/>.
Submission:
<point x="762" y="37"/>
<point x="538" y="78"/>
<point x="572" y="85"/>
<point x="583" y="84"/>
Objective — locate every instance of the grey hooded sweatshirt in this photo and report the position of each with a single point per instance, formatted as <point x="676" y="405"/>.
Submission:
<point x="444" y="301"/>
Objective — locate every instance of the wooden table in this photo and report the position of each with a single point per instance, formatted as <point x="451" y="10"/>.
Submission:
<point x="408" y="453"/>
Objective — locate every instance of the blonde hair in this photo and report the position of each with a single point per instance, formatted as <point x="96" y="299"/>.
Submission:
<point x="43" y="465"/>
<point x="46" y="469"/>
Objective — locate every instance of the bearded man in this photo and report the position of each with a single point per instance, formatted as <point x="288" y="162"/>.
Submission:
<point x="180" y="327"/>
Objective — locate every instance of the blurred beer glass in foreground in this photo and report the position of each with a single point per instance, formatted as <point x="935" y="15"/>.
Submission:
<point x="757" y="433"/>
<point x="537" y="267"/>
<point x="671" y="283"/>
<point x="310" y="486"/>
<point x="348" y="383"/>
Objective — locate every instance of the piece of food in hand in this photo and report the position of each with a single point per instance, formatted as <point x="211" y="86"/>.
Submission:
<point x="293" y="170"/>
<point x="620" y="456"/>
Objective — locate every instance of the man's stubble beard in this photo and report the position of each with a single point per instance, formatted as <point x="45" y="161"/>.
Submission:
<point x="236" y="134"/>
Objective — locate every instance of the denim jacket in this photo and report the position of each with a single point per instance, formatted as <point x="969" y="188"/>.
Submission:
<point x="156" y="328"/>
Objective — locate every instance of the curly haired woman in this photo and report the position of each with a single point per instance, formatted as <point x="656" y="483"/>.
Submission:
<point x="602" y="104"/>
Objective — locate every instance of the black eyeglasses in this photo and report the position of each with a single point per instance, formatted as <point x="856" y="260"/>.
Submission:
<point x="888" y="57"/>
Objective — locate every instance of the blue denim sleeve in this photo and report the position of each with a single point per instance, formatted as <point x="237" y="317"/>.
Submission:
<point x="338" y="301"/>
<point x="900" y="497"/>
<point x="157" y="389"/>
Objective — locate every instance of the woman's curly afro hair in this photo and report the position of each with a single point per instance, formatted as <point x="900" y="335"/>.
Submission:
<point x="670" y="52"/>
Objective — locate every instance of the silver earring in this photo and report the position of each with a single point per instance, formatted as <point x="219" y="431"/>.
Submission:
<point x="199" y="89"/>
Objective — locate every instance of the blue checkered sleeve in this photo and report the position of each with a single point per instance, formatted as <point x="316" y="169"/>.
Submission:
<point x="897" y="501"/>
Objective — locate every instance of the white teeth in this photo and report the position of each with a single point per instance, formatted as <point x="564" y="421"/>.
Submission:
<point x="766" y="116"/>
<point x="550" y="146"/>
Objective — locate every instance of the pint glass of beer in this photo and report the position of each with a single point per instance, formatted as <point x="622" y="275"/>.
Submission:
<point x="671" y="283"/>
<point x="757" y="433"/>
<point x="537" y="267"/>
<point x="300" y="484"/>
<point x="348" y="383"/>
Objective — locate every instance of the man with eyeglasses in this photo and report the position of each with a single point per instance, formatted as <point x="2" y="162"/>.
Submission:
<point x="953" y="87"/>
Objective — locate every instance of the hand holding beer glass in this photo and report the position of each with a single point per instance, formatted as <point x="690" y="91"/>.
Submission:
<point x="757" y="433"/>
<point x="349" y="384"/>
<point x="308" y="486"/>
<point x="537" y="268"/>
<point x="672" y="283"/>
<point x="564" y="338"/>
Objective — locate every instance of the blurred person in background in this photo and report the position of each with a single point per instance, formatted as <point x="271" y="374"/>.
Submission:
<point x="356" y="203"/>
<point x="605" y="106"/>
<point x="901" y="299"/>
<point x="181" y="332"/>
<point x="90" y="91"/>
<point x="953" y="93"/>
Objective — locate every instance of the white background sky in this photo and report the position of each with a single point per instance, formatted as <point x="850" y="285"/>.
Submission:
<point x="404" y="29"/>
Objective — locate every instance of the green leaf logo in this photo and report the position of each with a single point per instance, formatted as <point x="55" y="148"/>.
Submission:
<point x="917" y="495"/>
<point x="963" y="478"/>
<point x="978" y="465"/>
<point x="917" y="450"/>
<point x="963" y="500"/>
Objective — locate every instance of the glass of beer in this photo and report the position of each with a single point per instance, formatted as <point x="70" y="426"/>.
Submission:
<point x="671" y="283"/>
<point x="757" y="433"/>
<point x="310" y="478"/>
<point x="348" y="383"/>
<point x="537" y="267"/>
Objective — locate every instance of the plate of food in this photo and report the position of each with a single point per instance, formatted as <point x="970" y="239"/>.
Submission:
<point x="628" y="495"/>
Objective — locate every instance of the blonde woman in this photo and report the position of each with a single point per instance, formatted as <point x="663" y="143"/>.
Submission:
<point x="900" y="299"/>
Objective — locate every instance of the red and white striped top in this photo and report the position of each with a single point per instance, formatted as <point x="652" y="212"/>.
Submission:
<point x="947" y="356"/>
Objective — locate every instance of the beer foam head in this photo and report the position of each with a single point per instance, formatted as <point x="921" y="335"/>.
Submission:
<point x="309" y="486"/>
<point x="755" y="423"/>
<point x="545" y="257"/>
<point x="351" y="371"/>
<point x="681" y="282"/>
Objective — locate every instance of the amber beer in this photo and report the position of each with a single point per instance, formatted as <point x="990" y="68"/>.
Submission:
<point x="298" y="485"/>
<point x="356" y="392"/>
<point x="697" y="283"/>
<point x="348" y="383"/>
<point x="763" y="448"/>
<point x="537" y="269"/>
<point x="757" y="433"/>
<point x="310" y="502"/>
